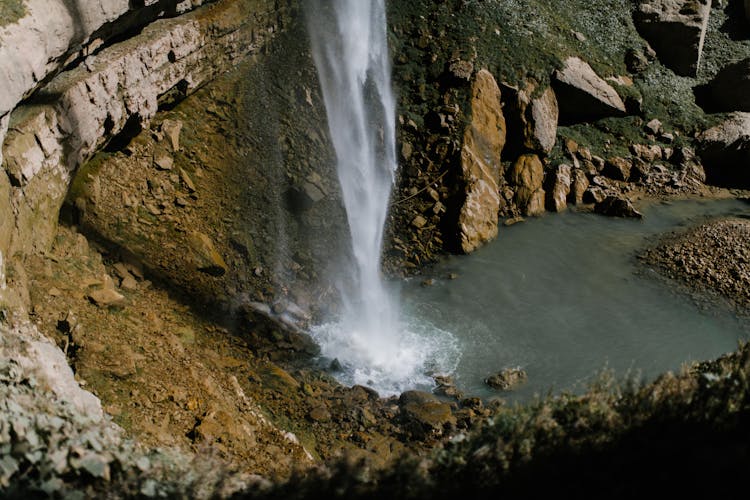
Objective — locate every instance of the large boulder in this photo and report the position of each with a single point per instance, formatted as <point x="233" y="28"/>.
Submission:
<point x="558" y="188"/>
<point x="484" y="139"/>
<point x="425" y="415"/>
<point x="730" y="89"/>
<point x="582" y="95"/>
<point x="725" y="151"/>
<point x="116" y="91"/>
<point x="532" y="118"/>
<point x="53" y="33"/>
<point x="527" y="179"/>
<point x="676" y="29"/>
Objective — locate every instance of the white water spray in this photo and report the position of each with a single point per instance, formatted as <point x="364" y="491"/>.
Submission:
<point x="350" y="48"/>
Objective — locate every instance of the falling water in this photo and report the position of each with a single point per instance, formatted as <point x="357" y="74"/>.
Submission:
<point x="350" y="48"/>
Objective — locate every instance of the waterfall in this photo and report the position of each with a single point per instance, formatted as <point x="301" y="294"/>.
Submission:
<point x="350" y="48"/>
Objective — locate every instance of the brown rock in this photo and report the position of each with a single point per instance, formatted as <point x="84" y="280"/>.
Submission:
<point x="527" y="176"/>
<point x="617" y="207"/>
<point x="205" y="256"/>
<point x="162" y="159"/>
<point x="171" y="130"/>
<point x="584" y="96"/>
<point x="558" y="188"/>
<point x="320" y="414"/>
<point x="507" y="379"/>
<point x="579" y="185"/>
<point x="484" y="139"/>
<point x="649" y="153"/>
<point x="594" y="194"/>
<point x="425" y="414"/>
<point x="617" y="168"/>
<point x="106" y="297"/>
<point x="676" y="29"/>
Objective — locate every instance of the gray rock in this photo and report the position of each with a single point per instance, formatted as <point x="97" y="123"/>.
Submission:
<point x="171" y="130"/>
<point x="676" y="29"/>
<point x="106" y="297"/>
<point x="582" y="95"/>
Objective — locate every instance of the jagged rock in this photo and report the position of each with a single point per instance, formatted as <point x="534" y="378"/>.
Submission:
<point x="613" y="206"/>
<point x="578" y="186"/>
<point x="80" y="110"/>
<point x="534" y="117"/>
<point x="507" y="379"/>
<point x="162" y="159"/>
<point x="725" y="151"/>
<point x="582" y="95"/>
<point x="171" y="130"/>
<point x="653" y="126"/>
<point x="425" y="415"/>
<point x="730" y="88"/>
<point x="649" y="153"/>
<point x="594" y="194"/>
<point x="205" y="256"/>
<point x="484" y="139"/>
<point x="558" y="188"/>
<point x="527" y="177"/>
<point x="617" y="168"/>
<point x="676" y="29"/>
<point x="636" y="61"/>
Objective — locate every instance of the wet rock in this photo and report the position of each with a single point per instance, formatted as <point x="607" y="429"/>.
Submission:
<point x="483" y="142"/>
<point x="584" y="96"/>
<point x="730" y="88"/>
<point x="725" y="151"/>
<point x="425" y="415"/>
<point x="171" y="130"/>
<point x="617" y="168"/>
<point x="507" y="379"/>
<point x="676" y="29"/>
<point x="205" y="256"/>
<point x="613" y="206"/>
<point x="527" y="178"/>
<point x="558" y="188"/>
<point x="579" y="185"/>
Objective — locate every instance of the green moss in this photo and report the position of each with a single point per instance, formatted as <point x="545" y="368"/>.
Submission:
<point x="11" y="11"/>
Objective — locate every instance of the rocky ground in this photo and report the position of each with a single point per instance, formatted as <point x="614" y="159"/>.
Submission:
<point x="199" y="228"/>
<point x="711" y="258"/>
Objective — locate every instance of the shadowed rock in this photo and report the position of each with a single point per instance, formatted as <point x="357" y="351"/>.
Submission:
<point x="583" y="95"/>
<point x="676" y="29"/>
<point x="730" y="89"/>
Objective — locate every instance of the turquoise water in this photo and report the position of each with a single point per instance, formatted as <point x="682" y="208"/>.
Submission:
<point x="564" y="297"/>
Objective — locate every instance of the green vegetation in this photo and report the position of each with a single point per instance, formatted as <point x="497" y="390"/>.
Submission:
<point x="11" y="11"/>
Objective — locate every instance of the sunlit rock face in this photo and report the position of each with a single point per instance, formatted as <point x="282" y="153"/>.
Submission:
<point x="484" y="140"/>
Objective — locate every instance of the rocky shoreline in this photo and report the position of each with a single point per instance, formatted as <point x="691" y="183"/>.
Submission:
<point x="711" y="258"/>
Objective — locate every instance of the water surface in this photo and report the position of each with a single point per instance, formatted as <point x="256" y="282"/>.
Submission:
<point x="564" y="297"/>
